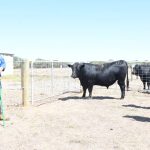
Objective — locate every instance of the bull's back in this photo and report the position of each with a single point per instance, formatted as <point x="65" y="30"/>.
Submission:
<point x="104" y="75"/>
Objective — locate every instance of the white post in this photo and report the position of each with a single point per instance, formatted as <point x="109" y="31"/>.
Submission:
<point x="32" y="82"/>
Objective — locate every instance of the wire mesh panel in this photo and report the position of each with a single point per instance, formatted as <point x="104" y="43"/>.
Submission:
<point x="50" y="79"/>
<point x="40" y="80"/>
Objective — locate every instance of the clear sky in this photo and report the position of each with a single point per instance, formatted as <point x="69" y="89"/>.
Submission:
<point x="76" y="30"/>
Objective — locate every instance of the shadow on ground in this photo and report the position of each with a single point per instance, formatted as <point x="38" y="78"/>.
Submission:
<point x="93" y="98"/>
<point x="135" y="106"/>
<point x="138" y="118"/>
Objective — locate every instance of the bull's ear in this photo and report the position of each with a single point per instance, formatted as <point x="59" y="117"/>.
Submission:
<point x="69" y="65"/>
<point x="137" y="66"/>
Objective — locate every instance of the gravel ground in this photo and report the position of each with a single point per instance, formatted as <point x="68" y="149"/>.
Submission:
<point x="68" y="122"/>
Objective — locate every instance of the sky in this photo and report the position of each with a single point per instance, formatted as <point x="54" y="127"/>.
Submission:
<point x="76" y="30"/>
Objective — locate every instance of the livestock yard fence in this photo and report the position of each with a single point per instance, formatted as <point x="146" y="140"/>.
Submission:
<point x="40" y="81"/>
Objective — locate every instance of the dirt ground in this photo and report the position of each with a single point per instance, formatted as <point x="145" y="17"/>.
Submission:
<point x="68" y="122"/>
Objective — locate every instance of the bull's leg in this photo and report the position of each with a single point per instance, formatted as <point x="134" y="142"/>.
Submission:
<point x="122" y="88"/>
<point x="84" y="91"/>
<point x="148" y="85"/>
<point x="90" y="88"/>
<point x="144" y="86"/>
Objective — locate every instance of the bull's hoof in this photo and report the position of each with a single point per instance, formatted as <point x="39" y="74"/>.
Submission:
<point x="83" y="97"/>
<point x="89" y="98"/>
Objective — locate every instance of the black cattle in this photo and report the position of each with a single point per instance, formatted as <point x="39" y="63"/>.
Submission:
<point x="103" y="75"/>
<point x="144" y="72"/>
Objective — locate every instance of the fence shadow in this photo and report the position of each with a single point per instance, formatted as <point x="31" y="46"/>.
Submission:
<point x="138" y="118"/>
<point x="93" y="98"/>
<point x="135" y="106"/>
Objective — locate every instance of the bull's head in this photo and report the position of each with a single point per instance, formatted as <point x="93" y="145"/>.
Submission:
<point x="136" y="70"/>
<point x="76" y="69"/>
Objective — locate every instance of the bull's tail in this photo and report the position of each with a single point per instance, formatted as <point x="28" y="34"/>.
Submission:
<point x="127" y="80"/>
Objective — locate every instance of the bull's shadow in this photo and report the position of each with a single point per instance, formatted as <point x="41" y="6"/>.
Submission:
<point x="136" y="106"/>
<point x="138" y="118"/>
<point x="86" y="98"/>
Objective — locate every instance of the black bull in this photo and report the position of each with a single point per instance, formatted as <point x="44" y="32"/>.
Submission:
<point x="104" y="75"/>
<point x="144" y="72"/>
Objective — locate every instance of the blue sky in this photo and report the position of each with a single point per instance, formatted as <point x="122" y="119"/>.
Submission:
<point x="76" y="30"/>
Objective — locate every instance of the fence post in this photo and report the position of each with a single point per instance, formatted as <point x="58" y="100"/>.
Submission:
<point x="25" y="82"/>
<point x="32" y="82"/>
<point x="52" y="67"/>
